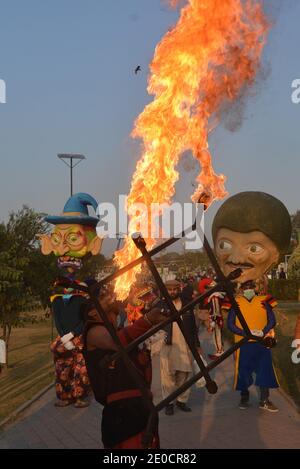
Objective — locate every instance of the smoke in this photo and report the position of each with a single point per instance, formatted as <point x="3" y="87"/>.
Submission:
<point x="233" y="114"/>
<point x="188" y="163"/>
<point x="176" y="3"/>
<point x="201" y="74"/>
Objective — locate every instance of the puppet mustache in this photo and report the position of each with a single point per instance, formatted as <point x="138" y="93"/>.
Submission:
<point x="240" y="265"/>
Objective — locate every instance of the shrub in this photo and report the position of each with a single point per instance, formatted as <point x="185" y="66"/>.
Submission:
<point x="284" y="289"/>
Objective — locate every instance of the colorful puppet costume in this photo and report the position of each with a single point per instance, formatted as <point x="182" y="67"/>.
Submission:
<point x="251" y="230"/>
<point x="214" y="317"/>
<point x="71" y="383"/>
<point x="254" y="357"/>
<point x="216" y="323"/>
<point x="73" y="237"/>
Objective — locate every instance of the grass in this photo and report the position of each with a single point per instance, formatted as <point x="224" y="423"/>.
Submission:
<point x="288" y="373"/>
<point x="30" y="366"/>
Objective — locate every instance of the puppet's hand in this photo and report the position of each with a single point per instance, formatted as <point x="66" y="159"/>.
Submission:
<point x="69" y="345"/>
<point x="212" y="325"/>
<point x="66" y="338"/>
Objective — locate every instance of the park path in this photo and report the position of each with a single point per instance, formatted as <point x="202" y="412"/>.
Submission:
<point x="215" y="422"/>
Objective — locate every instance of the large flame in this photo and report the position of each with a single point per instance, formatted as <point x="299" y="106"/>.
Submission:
<point x="205" y="62"/>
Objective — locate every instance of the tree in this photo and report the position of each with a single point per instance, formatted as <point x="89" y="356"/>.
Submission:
<point x="92" y="266"/>
<point x="189" y="260"/>
<point x="197" y="259"/>
<point x="15" y="296"/>
<point x="39" y="273"/>
<point x="294" y="264"/>
<point x="296" y="220"/>
<point x="18" y="248"/>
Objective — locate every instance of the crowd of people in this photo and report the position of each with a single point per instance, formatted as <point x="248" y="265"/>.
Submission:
<point x="115" y="388"/>
<point x="144" y="309"/>
<point x="250" y="231"/>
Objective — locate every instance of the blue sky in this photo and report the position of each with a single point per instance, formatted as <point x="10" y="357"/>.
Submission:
<point x="68" y="66"/>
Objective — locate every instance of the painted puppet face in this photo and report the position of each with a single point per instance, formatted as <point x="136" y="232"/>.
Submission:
<point x="70" y="243"/>
<point x="252" y="252"/>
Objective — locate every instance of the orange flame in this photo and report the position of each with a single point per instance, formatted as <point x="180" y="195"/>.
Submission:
<point x="205" y="62"/>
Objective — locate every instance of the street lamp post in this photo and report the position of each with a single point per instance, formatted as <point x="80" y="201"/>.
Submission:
<point x="68" y="159"/>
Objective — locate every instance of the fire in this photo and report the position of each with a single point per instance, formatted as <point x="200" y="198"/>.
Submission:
<point x="203" y="64"/>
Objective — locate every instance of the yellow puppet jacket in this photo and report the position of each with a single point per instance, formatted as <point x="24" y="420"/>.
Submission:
<point x="254" y="312"/>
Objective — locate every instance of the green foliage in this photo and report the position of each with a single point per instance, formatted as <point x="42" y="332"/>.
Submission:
<point x="294" y="264"/>
<point x="296" y="220"/>
<point x="192" y="259"/>
<point x="91" y="266"/>
<point x="197" y="259"/>
<point x="15" y="296"/>
<point x="40" y="275"/>
<point x="21" y="278"/>
<point x="23" y="227"/>
<point x="39" y="271"/>
<point x="287" y="372"/>
<point x="284" y="289"/>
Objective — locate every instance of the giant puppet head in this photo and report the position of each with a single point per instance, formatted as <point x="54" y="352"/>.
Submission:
<point x="251" y="230"/>
<point x="74" y="233"/>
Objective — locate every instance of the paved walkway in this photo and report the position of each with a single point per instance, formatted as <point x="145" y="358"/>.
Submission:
<point x="215" y="421"/>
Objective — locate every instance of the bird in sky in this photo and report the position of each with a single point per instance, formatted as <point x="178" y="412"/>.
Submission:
<point x="138" y="69"/>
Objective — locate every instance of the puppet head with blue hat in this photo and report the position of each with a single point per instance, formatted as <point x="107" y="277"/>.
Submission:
<point x="74" y="234"/>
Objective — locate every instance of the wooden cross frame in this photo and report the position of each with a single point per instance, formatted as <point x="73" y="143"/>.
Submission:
<point x="224" y="284"/>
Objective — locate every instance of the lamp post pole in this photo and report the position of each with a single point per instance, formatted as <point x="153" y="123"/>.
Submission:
<point x="71" y="175"/>
<point x="68" y="159"/>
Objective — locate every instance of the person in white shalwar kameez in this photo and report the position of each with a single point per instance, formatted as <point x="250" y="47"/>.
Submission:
<point x="176" y="360"/>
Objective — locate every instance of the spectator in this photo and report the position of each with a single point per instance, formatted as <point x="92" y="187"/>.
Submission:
<point x="176" y="360"/>
<point x="187" y="291"/>
<point x="282" y="274"/>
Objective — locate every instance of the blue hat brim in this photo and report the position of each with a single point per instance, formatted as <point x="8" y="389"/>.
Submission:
<point x="72" y="220"/>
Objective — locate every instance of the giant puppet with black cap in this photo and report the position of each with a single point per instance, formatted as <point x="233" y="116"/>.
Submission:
<point x="251" y="231"/>
<point x="72" y="238"/>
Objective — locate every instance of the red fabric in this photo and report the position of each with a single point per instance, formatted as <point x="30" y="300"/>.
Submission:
<point x="205" y="282"/>
<point x="130" y="333"/>
<point x="270" y="300"/>
<point x="117" y="396"/>
<point x="133" y="313"/>
<point x="135" y="442"/>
